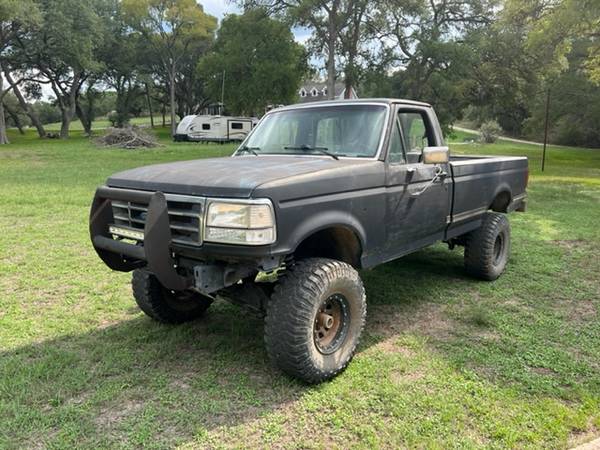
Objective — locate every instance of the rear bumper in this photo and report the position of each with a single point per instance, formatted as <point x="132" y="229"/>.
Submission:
<point x="122" y="256"/>
<point x="518" y="203"/>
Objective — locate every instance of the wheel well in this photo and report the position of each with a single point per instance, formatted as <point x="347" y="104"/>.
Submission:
<point x="501" y="202"/>
<point x="338" y="243"/>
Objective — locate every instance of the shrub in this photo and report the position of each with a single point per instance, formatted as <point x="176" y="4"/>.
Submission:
<point x="118" y="119"/>
<point x="489" y="131"/>
<point x="113" y="118"/>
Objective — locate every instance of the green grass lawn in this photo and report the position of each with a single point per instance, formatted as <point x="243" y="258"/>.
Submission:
<point x="447" y="361"/>
<point x="101" y="123"/>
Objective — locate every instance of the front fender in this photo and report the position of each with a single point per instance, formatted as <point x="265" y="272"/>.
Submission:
<point x="326" y="219"/>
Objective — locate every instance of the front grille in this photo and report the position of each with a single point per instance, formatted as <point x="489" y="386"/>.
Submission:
<point x="185" y="217"/>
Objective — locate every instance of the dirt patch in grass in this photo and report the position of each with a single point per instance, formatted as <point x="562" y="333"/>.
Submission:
<point x="427" y="319"/>
<point x="391" y="345"/>
<point x="545" y="371"/>
<point x="569" y="244"/>
<point x="581" y="311"/>
<point x="402" y="377"/>
<point x="79" y="399"/>
<point x="114" y="414"/>
<point x="487" y="335"/>
<point x="581" y="437"/>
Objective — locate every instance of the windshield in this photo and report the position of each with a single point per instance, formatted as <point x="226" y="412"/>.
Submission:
<point x="348" y="130"/>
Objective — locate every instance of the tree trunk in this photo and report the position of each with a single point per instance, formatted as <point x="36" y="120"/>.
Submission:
<point x="69" y="110"/>
<point x="65" y="114"/>
<point x="350" y="71"/>
<point x="331" y="38"/>
<point x="84" y="119"/>
<point x="331" y="64"/>
<point x="149" y="105"/>
<point x="15" y="118"/>
<point x="348" y="80"/>
<point x="35" y="120"/>
<point x="164" y="111"/>
<point x="122" y="106"/>
<point x="3" y="136"/>
<point x="172" y="100"/>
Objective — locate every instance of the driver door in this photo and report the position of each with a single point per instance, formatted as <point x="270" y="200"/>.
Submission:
<point x="416" y="208"/>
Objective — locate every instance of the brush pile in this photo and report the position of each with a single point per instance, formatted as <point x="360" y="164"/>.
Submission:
<point x="129" y="137"/>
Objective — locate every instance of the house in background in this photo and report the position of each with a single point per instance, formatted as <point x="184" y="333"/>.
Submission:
<point x="315" y="91"/>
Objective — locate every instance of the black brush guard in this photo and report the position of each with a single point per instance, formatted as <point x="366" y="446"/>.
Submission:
<point x="124" y="257"/>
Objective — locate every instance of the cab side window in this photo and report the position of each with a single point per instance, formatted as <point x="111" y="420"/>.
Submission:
<point x="416" y="134"/>
<point x="396" y="148"/>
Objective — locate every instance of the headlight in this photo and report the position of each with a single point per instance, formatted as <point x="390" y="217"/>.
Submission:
<point x="251" y="223"/>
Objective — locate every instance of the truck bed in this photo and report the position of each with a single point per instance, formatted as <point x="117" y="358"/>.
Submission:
<point x="482" y="183"/>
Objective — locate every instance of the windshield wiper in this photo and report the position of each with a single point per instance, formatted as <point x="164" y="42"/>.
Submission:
<point x="308" y="148"/>
<point x="247" y="149"/>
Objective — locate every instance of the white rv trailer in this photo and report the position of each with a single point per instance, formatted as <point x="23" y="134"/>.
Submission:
<point x="204" y="128"/>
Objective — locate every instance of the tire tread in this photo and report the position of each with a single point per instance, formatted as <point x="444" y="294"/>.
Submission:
<point x="149" y="296"/>
<point x="290" y="309"/>
<point x="479" y="246"/>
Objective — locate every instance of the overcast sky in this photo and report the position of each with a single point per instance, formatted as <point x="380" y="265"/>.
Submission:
<point x="219" y="8"/>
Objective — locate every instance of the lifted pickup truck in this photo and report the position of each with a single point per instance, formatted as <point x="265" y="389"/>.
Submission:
<point x="315" y="193"/>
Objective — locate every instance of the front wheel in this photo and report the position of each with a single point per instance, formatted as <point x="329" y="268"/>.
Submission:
<point x="487" y="248"/>
<point x="164" y="305"/>
<point x="315" y="318"/>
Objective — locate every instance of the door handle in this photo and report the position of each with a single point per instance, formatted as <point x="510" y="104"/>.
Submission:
<point x="439" y="174"/>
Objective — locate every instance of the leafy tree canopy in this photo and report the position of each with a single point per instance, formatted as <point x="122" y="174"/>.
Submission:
<point x="261" y="60"/>
<point x="170" y="27"/>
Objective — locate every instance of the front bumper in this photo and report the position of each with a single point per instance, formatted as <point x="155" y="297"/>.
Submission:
<point x="156" y="253"/>
<point x="207" y="267"/>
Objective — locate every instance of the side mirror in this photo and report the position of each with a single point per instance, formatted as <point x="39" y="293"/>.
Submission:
<point x="436" y="155"/>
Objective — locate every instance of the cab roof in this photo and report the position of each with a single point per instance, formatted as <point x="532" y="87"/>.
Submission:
<point x="383" y="101"/>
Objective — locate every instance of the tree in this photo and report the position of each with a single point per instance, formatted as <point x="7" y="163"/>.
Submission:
<point x="190" y="84"/>
<point x="17" y="17"/>
<point x="501" y="75"/>
<point x="23" y="103"/>
<point x="553" y="28"/>
<point x="328" y="20"/>
<point x="355" y="54"/>
<point x="575" y="104"/>
<point x="124" y="55"/>
<point x="62" y="52"/>
<point x="122" y="60"/>
<point x="424" y="41"/>
<point x="85" y="105"/>
<point x="170" y="27"/>
<point x="259" y="56"/>
<point x="14" y="115"/>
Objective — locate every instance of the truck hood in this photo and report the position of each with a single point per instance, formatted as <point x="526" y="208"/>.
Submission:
<point x="224" y="177"/>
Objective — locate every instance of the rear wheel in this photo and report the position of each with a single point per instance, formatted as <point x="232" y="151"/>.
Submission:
<point x="164" y="305"/>
<point x="487" y="248"/>
<point x="315" y="318"/>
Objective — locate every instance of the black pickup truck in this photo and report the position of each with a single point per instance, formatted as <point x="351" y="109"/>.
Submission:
<point x="314" y="194"/>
